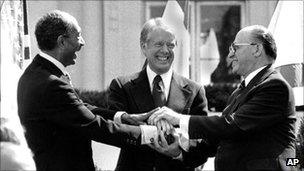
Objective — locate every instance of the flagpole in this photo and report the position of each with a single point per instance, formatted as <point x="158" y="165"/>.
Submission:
<point x="187" y="12"/>
<point x="26" y="34"/>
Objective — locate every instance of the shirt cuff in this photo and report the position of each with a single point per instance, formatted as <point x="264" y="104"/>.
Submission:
<point x="117" y="116"/>
<point x="183" y="132"/>
<point x="148" y="134"/>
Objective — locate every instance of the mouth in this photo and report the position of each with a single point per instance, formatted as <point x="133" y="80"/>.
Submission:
<point x="74" y="56"/>
<point x="163" y="58"/>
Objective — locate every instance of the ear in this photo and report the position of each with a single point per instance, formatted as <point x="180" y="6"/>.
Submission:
<point x="143" y="45"/>
<point x="60" y="41"/>
<point x="257" y="51"/>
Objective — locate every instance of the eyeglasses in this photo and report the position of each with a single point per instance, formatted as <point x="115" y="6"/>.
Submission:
<point x="233" y="46"/>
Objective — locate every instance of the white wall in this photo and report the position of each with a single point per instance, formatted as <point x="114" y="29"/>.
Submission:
<point x="259" y="12"/>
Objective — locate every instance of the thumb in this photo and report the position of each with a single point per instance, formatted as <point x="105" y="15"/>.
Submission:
<point x="148" y="114"/>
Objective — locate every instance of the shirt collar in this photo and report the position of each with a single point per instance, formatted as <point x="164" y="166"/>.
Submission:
<point x="55" y="62"/>
<point x="166" y="77"/>
<point x="253" y="74"/>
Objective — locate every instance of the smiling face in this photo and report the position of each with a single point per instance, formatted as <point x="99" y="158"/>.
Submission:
<point x="74" y="42"/>
<point x="159" y="50"/>
<point x="242" y="59"/>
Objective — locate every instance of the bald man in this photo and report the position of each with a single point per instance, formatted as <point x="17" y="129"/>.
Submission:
<point x="256" y="129"/>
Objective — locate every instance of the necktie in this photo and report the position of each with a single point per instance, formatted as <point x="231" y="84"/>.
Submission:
<point x="229" y="110"/>
<point x="240" y="89"/>
<point x="158" y="92"/>
<point x="232" y="104"/>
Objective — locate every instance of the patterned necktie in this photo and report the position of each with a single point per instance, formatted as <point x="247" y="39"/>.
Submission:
<point x="240" y="90"/>
<point x="158" y="92"/>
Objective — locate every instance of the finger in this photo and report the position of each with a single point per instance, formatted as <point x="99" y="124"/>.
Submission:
<point x="133" y="119"/>
<point x="167" y="126"/>
<point x="163" y="139"/>
<point x="171" y="127"/>
<point x="157" y="118"/>
<point x="145" y="116"/>
<point x="151" y="118"/>
<point x="128" y="120"/>
<point x="156" y="142"/>
<point x="162" y="125"/>
<point x="158" y="125"/>
<point x="152" y="111"/>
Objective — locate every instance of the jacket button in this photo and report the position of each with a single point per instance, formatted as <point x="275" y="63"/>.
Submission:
<point x="151" y="140"/>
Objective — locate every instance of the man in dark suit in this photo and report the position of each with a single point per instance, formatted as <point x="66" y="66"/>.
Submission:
<point x="256" y="129"/>
<point x="155" y="86"/>
<point x="59" y="126"/>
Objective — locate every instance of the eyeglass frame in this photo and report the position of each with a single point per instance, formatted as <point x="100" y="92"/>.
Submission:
<point x="232" y="46"/>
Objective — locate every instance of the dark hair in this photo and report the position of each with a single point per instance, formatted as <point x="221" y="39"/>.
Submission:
<point x="263" y="36"/>
<point x="151" y="25"/>
<point x="50" y="27"/>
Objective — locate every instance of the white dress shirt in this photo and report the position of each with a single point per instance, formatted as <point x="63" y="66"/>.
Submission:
<point x="55" y="62"/>
<point x="149" y="132"/>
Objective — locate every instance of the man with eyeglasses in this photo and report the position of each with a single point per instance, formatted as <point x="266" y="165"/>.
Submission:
<point x="256" y="130"/>
<point x="156" y="85"/>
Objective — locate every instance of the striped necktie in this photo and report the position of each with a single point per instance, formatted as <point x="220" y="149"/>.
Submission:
<point x="158" y="92"/>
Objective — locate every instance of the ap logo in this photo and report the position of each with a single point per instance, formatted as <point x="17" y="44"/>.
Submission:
<point x="292" y="161"/>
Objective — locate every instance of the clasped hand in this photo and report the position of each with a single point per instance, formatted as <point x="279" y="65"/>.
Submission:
<point x="167" y="141"/>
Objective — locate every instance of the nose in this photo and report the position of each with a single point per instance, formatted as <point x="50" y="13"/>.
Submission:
<point x="165" y="49"/>
<point x="82" y="42"/>
<point x="230" y="55"/>
<point x="229" y="58"/>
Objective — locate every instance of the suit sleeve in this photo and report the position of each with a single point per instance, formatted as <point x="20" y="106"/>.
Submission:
<point x="199" y="154"/>
<point x="199" y="105"/>
<point x="117" y="97"/>
<point x="63" y="108"/>
<point x="263" y="107"/>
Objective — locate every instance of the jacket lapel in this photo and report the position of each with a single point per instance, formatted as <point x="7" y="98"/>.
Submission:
<point x="179" y="94"/>
<point x="261" y="76"/>
<point x="140" y="90"/>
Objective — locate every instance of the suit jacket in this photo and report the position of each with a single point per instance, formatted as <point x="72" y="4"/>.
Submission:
<point x="256" y="130"/>
<point x="133" y="94"/>
<point x="59" y="127"/>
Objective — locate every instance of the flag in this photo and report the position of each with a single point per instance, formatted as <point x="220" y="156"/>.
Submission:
<point x="209" y="53"/>
<point x="286" y="26"/>
<point x="176" y="18"/>
<point x="12" y="58"/>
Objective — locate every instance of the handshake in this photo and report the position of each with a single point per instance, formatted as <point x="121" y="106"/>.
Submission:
<point x="164" y="119"/>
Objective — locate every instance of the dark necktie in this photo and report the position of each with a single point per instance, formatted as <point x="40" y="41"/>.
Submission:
<point x="242" y="86"/>
<point x="240" y="90"/>
<point x="236" y="95"/>
<point x="158" y="92"/>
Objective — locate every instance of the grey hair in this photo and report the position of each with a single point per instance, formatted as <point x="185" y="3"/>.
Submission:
<point x="151" y="25"/>
<point x="262" y="35"/>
